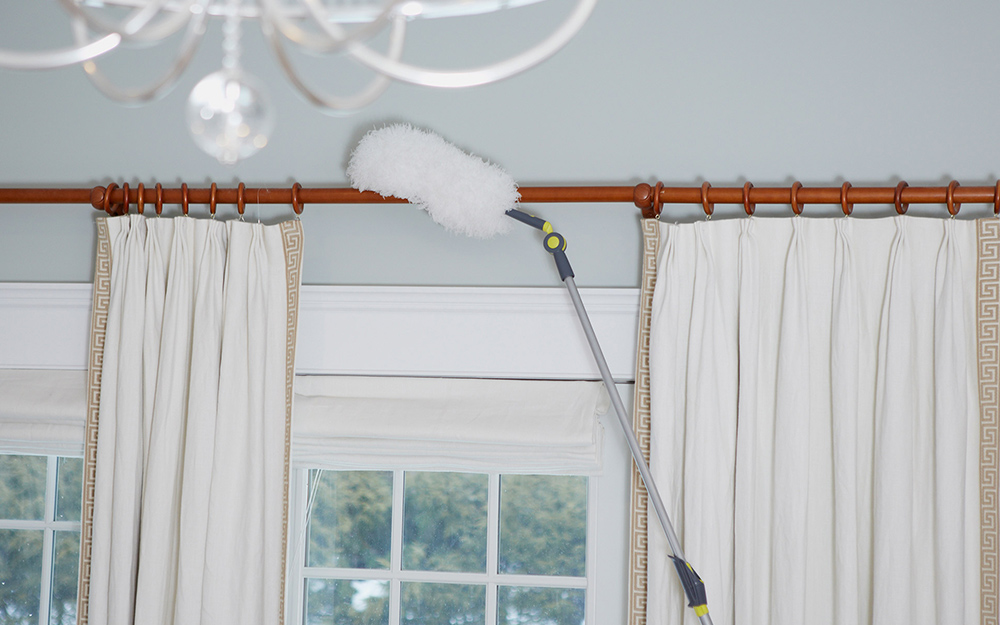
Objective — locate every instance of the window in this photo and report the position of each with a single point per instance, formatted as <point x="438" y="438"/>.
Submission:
<point x="435" y="548"/>
<point x="39" y="539"/>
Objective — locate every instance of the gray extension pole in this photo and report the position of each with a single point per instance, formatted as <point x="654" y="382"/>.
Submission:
<point x="555" y="244"/>
<point x="633" y="443"/>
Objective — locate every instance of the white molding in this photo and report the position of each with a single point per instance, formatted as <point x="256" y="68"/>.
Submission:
<point x="524" y="333"/>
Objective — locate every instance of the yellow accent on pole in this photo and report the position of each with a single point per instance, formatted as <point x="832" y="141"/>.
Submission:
<point x="700" y="610"/>
<point x="547" y="228"/>
<point x="553" y="242"/>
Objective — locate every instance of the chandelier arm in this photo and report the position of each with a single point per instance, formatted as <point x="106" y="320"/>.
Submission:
<point x="136" y="25"/>
<point x="339" y="104"/>
<point x="481" y="75"/>
<point x="192" y="37"/>
<point x="341" y="38"/>
<point x="333" y="37"/>
<point x="62" y="57"/>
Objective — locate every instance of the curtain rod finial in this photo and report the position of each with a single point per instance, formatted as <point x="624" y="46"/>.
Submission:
<point x="97" y="198"/>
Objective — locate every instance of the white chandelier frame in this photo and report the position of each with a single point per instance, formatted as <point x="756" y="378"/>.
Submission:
<point x="151" y="21"/>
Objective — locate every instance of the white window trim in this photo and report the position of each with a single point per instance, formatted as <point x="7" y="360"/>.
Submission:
<point x="395" y="574"/>
<point x="468" y="332"/>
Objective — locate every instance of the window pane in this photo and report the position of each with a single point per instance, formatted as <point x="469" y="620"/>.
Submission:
<point x="543" y="525"/>
<point x="540" y="606"/>
<point x="351" y="520"/>
<point x="69" y="489"/>
<point x="22" y="487"/>
<point x="444" y="521"/>
<point x="65" y="566"/>
<point x="347" y="602"/>
<point x="20" y="576"/>
<point x="443" y="604"/>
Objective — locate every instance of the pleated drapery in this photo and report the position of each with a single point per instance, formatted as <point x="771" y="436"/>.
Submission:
<point x="814" y="420"/>
<point x="187" y="449"/>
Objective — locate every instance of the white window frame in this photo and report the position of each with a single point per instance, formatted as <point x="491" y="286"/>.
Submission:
<point x="395" y="574"/>
<point x="50" y="527"/>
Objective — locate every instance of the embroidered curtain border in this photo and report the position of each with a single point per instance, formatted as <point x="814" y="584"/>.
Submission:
<point x="292" y="235"/>
<point x="638" y="543"/>
<point x="988" y="307"/>
<point x="988" y="313"/>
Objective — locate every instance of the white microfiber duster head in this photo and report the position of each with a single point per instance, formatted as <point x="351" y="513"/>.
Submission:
<point x="463" y="193"/>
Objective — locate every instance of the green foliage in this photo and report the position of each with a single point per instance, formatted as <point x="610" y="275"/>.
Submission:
<point x="444" y="522"/>
<point x="65" y="569"/>
<point x="442" y="604"/>
<point x="346" y="602"/>
<point x="20" y="576"/>
<point x="351" y="523"/>
<point x="22" y="487"/>
<point x="540" y="606"/>
<point x="543" y="525"/>
<point x="69" y="489"/>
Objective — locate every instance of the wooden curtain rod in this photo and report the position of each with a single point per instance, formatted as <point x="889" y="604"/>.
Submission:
<point x="650" y="199"/>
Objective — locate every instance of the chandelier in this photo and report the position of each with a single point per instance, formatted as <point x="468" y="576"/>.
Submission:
<point x="228" y="113"/>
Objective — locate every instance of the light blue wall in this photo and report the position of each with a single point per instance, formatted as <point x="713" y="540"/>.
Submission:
<point x="769" y="91"/>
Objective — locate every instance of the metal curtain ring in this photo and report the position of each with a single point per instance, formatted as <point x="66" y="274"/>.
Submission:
<point x="747" y="206"/>
<point x="657" y="204"/>
<point x="211" y="201"/>
<point x="241" y="202"/>
<point x="796" y="207"/>
<point x="708" y="206"/>
<point x="847" y="206"/>
<point x="140" y="200"/>
<point x="953" y="207"/>
<point x="898" y="198"/>
<point x="107" y="197"/>
<point x="296" y="204"/>
<point x="159" y="199"/>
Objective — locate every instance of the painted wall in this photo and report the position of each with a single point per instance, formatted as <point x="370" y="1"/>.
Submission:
<point x="770" y="91"/>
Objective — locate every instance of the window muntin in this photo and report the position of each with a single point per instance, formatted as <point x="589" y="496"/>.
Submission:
<point x="484" y="549"/>
<point x="39" y="539"/>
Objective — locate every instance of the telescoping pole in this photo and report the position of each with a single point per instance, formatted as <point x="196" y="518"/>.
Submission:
<point x="555" y="244"/>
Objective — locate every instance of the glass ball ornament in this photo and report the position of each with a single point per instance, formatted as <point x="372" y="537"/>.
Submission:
<point x="229" y="115"/>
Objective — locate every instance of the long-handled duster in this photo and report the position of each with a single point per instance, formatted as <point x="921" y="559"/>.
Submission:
<point x="465" y="194"/>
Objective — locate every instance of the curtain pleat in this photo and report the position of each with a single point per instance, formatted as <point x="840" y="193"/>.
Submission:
<point x="190" y="479"/>
<point x="814" y="413"/>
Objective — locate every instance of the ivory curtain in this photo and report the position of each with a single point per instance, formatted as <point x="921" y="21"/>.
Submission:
<point x="187" y="441"/>
<point x="814" y="417"/>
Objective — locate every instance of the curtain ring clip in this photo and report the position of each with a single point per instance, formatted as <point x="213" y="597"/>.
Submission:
<point x="212" y="200"/>
<point x="184" y="198"/>
<point x="996" y="200"/>
<point x="708" y="206"/>
<point x="747" y="206"/>
<point x="140" y="200"/>
<point x="897" y="198"/>
<point x="159" y="199"/>
<point x="796" y="206"/>
<point x="296" y="203"/>
<point x="124" y="208"/>
<point x="844" y="204"/>
<point x="107" y="197"/>
<point x="657" y="203"/>
<point x="953" y="206"/>
<point x="241" y="201"/>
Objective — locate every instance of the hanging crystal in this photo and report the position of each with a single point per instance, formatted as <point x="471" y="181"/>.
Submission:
<point x="228" y="112"/>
